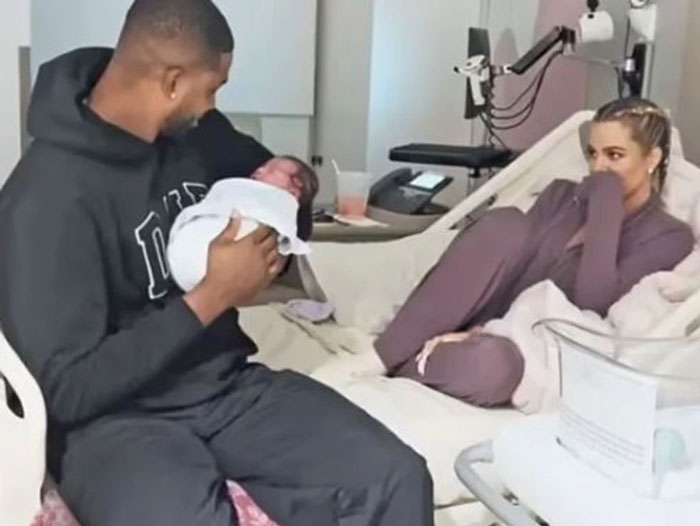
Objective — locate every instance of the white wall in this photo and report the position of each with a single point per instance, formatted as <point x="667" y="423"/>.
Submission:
<point x="385" y="78"/>
<point x="511" y="25"/>
<point x="689" y="119"/>
<point x="414" y="94"/>
<point x="343" y="86"/>
<point x="14" y="32"/>
<point x="275" y="55"/>
<point x="274" y="63"/>
<point x="671" y="41"/>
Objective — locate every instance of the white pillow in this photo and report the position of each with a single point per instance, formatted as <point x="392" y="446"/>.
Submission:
<point x="681" y="193"/>
<point x="367" y="283"/>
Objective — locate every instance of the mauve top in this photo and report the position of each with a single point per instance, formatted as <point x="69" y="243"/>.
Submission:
<point x="616" y="251"/>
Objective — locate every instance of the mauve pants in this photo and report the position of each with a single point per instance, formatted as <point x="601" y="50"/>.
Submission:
<point x="472" y="283"/>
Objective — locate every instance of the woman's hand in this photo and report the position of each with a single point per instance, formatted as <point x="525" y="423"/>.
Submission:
<point x="597" y="182"/>
<point x="451" y="337"/>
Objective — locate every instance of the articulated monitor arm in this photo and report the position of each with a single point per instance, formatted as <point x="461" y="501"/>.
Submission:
<point x="558" y="35"/>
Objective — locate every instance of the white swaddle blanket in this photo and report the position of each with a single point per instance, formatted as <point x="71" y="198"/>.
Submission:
<point x="196" y="226"/>
<point x="539" y="388"/>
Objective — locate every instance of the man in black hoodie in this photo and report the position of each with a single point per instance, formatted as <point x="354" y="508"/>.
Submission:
<point x="151" y="389"/>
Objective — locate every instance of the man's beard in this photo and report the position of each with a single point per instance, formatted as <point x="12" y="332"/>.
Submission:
<point x="179" y="125"/>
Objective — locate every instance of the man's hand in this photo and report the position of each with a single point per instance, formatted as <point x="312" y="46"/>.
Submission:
<point x="236" y="271"/>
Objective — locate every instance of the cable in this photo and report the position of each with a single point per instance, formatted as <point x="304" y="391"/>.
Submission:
<point x="513" y="116"/>
<point x="488" y="116"/>
<point x="520" y="97"/>
<point x="532" y="104"/>
<point x="492" y="134"/>
<point x="529" y="86"/>
<point x="538" y="81"/>
<point x="528" y="108"/>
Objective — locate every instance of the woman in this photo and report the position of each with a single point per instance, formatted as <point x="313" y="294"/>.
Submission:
<point x="594" y="240"/>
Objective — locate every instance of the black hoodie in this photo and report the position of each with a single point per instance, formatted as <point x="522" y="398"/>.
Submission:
<point x="85" y="294"/>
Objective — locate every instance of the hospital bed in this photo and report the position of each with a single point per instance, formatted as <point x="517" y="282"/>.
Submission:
<point x="367" y="283"/>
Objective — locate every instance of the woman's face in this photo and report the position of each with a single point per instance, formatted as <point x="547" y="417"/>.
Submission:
<point x="611" y="148"/>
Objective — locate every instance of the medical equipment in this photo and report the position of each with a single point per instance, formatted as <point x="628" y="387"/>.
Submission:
<point x="627" y="440"/>
<point x="481" y="74"/>
<point x="593" y="26"/>
<point x="475" y="159"/>
<point x="633" y="71"/>
<point x="643" y="17"/>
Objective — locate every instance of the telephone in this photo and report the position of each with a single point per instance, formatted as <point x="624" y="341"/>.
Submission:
<point x="404" y="191"/>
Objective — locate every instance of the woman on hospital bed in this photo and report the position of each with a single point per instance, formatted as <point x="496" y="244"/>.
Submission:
<point x="594" y="240"/>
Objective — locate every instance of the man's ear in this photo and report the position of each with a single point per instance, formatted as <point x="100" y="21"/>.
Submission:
<point x="171" y="83"/>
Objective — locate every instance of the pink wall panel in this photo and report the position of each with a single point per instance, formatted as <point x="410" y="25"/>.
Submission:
<point x="564" y="88"/>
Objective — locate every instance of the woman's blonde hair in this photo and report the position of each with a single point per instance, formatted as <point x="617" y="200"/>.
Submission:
<point x="650" y="126"/>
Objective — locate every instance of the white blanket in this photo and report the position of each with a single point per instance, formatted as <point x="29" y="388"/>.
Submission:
<point x="539" y="389"/>
<point x="654" y="298"/>
<point x="198" y="225"/>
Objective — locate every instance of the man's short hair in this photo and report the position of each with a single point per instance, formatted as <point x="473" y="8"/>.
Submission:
<point x="198" y="25"/>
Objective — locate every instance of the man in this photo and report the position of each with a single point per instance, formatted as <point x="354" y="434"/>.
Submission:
<point x="151" y="389"/>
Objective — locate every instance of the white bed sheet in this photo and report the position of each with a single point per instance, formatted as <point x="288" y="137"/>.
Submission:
<point x="435" y="425"/>
<point x="281" y="344"/>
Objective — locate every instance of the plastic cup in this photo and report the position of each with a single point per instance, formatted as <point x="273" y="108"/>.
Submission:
<point x="353" y="193"/>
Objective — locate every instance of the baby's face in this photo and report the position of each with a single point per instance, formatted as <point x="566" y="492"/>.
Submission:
<point x="281" y="173"/>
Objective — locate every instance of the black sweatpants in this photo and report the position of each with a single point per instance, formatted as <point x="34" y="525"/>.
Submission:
<point x="306" y="455"/>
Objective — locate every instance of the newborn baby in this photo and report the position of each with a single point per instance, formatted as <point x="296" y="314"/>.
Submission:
<point x="270" y="197"/>
<point x="290" y="174"/>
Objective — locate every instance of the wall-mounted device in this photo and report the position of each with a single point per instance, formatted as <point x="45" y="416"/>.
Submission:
<point x="593" y="26"/>
<point x="637" y="65"/>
